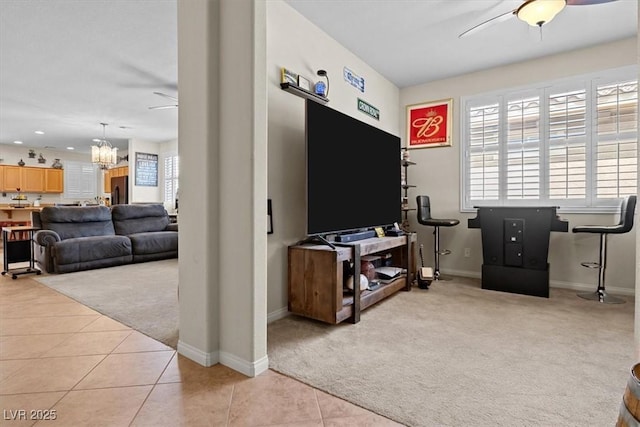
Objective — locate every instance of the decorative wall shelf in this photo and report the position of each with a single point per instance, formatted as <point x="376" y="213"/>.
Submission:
<point x="296" y="90"/>
<point x="405" y="187"/>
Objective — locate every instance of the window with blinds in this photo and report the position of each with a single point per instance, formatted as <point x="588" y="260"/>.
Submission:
<point x="170" y="178"/>
<point x="80" y="180"/>
<point x="567" y="144"/>
<point x="616" y="158"/>
<point x="523" y="149"/>
<point x="484" y="156"/>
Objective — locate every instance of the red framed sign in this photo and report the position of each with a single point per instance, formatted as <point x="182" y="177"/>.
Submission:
<point x="429" y="124"/>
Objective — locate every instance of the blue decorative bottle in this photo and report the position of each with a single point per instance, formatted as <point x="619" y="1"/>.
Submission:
<point x="320" y="88"/>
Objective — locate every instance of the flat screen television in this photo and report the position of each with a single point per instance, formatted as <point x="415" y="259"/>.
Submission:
<point x="353" y="173"/>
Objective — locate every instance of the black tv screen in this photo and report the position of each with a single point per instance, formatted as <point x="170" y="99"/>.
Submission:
<point x="353" y="173"/>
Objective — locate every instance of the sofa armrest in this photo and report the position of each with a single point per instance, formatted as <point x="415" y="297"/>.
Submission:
<point x="46" y="237"/>
<point x="172" y="227"/>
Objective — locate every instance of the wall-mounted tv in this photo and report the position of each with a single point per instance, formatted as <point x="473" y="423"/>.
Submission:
<point x="353" y="173"/>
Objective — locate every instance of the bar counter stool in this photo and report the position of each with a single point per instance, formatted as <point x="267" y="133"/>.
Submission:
<point x="424" y="218"/>
<point x="627" y="210"/>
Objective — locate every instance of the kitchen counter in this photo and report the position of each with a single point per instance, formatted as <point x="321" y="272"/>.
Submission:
<point x="10" y="209"/>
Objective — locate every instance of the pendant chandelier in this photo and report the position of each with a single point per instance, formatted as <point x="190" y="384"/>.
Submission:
<point x="103" y="154"/>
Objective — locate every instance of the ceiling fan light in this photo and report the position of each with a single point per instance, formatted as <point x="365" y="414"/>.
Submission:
<point x="539" y="12"/>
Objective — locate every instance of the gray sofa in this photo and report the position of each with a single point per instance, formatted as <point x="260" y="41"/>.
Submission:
<point x="74" y="238"/>
<point x="148" y="228"/>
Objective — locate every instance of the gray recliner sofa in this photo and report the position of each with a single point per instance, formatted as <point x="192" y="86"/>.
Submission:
<point x="74" y="238"/>
<point x="152" y="235"/>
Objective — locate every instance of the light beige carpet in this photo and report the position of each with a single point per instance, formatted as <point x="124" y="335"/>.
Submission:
<point x="457" y="355"/>
<point x="142" y="296"/>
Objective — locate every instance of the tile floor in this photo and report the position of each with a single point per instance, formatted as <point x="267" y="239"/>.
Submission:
<point x="62" y="363"/>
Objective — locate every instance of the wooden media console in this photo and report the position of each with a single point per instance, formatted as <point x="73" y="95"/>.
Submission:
<point x="317" y="277"/>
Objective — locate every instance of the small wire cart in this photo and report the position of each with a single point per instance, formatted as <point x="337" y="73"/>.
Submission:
<point x="18" y="248"/>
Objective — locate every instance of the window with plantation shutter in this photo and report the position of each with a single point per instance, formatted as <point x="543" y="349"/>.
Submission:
<point x="170" y="178"/>
<point x="571" y="143"/>
<point x="484" y="152"/>
<point x="567" y="145"/>
<point x="617" y="139"/>
<point x="523" y="149"/>
<point x="80" y="180"/>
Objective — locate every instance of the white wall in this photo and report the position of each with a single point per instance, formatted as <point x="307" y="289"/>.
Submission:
<point x="137" y="193"/>
<point x="296" y="44"/>
<point x="436" y="166"/>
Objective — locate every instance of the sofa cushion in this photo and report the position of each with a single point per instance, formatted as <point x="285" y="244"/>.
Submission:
<point x="154" y="242"/>
<point x="77" y="221"/>
<point x="132" y="219"/>
<point x="83" y="249"/>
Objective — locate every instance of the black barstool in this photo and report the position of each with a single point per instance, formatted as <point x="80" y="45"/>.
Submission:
<point x="627" y="210"/>
<point x="424" y="218"/>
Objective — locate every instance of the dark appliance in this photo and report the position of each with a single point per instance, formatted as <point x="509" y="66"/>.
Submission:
<point x="353" y="173"/>
<point x="119" y="190"/>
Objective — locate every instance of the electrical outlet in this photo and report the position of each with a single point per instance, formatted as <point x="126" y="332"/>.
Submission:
<point x="467" y="252"/>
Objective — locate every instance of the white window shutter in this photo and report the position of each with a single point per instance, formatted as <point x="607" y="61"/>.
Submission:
<point x="79" y="180"/>
<point x="567" y="148"/>
<point x="617" y="139"/>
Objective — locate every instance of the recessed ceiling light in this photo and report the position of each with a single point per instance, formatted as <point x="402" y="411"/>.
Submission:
<point x="70" y="148"/>
<point x="17" y="142"/>
<point x="96" y="140"/>
<point x="39" y="132"/>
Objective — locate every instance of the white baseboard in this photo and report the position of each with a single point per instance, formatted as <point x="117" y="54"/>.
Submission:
<point x="250" y="369"/>
<point x="580" y="287"/>
<point x="278" y="314"/>
<point x="197" y="355"/>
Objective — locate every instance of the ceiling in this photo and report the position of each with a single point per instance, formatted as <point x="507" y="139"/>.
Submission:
<point x="68" y="65"/>
<point x="416" y="41"/>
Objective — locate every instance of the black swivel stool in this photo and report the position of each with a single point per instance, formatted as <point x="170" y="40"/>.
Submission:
<point x="627" y="210"/>
<point x="424" y="218"/>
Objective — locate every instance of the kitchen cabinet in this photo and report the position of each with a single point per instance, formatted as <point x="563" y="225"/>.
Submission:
<point x="31" y="179"/>
<point x="107" y="180"/>
<point x="53" y="181"/>
<point x="121" y="171"/>
<point x="12" y="177"/>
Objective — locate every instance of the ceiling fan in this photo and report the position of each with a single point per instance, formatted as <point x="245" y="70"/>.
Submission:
<point x="534" y="12"/>
<point x="162" y="107"/>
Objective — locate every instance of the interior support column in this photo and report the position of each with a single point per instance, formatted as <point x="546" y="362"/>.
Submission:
<point x="223" y="158"/>
<point x="243" y="186"/>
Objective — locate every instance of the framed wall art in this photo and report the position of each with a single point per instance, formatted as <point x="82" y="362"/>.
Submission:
<point x="304" y="83"/>
<point x="429" y="124"/>
<point x="146" y="169"/>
